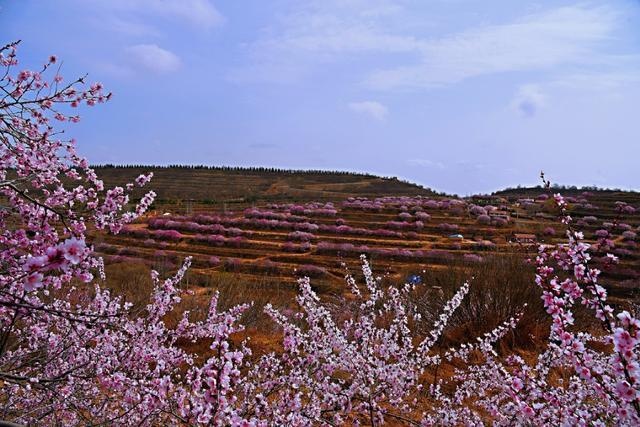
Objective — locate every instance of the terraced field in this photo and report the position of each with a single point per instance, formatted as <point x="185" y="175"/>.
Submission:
<point x="403" y="234"/>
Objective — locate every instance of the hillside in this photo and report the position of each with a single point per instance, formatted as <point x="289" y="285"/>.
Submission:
<point x="225" y="184"/>
<point x="273" y="225"/>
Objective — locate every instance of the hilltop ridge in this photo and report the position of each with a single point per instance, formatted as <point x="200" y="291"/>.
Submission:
<point x="250" y="184"/>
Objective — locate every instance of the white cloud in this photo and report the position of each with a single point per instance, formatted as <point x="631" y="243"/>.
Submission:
<point x="317" y="32"/>
<point x="563" y="36"/>
<point x="609" y="81"/>
<point x="126" y="27"/>
<point x="201" y="14"/>
<point x="371" y="108"/>
<point x="418" y="55"/>
<point x="531" y="98"/>
<point x="152" y="58"/>
<point x="329" y="36"/>
<point x="528" y="100"/>
<point x="146" y="17"/>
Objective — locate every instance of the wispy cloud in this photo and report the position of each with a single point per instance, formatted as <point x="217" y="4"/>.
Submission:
<point x="152" y="58"/>
<point x="198" y="13"/>
<point x="372" y="109"/>
<point x="415" y="58"/>
<point x="530" y="98"/>
<point x="126" y="27"/>
<point x="333" y="27"/>
<point x="563" y="36"/>
<point x="323" y="31"/>
<point x="600" y="80"/>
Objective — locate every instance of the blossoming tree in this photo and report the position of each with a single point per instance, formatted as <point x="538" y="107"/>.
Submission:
<point x="71" y="353"/>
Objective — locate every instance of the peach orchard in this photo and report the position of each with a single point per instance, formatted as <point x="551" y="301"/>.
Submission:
<point x="72" y="353"/>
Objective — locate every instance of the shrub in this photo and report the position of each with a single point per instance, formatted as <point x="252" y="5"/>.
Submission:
<point x="602" y="234"/>
<point x="397" y="225"/>
<point x="300" y="236"/>
<point x="310" y="270"/>
<point x="448" y="227"/>
<point x="405" y="216"/>
<point x="412" y="235"/>
<point x="232" y="264"/>
<point x="423" y="216"/>
<point x="106" y="248"/>
<point x="484" y="219"/>
<point x="472" y="258"/>
<point x="477" y="210"/>
<point x="438" y="255"/>
<point x="499" y="221"/>
<point x="293" y="247"/>
<point x="431" y="204"/>
<point x="170" y="235"/>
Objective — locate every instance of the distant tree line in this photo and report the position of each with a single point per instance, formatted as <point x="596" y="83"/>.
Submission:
<point x="262" y="169"/>
<point x="238" y="169"/>
<point x="563" y="188"/>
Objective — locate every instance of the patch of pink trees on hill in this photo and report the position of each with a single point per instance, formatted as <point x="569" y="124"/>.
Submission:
<point x="218" y="240"/>
<point x="404" y="204"/>
<point x="423" y="216"/>
<point x="624" y="208"/>
<point x="194" y="227"/>
<point x="214" y="224"/>
<point x="300" y="236"/>
<point x="356" y="250"/>
<point x="218" y="223"/>
<point x="310" y="270"/>
<point x="476" y="210"/>
<point x="346" y="229"/>
<point x="401" y="225"/>
<point x="483" y="219"/>
<point x="405" y="216"/>
<point x="363" y="204"/>
<point x="448" y="227"/>
<point x="81" y="355"/>
<point x="311" y="209"/>
<point x="296" y="247"/>
<point x="473" y="258"/>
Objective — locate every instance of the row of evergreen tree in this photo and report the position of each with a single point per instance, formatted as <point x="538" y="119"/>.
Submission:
<point x="236" y="169"/>
<point x="559" y="187"/>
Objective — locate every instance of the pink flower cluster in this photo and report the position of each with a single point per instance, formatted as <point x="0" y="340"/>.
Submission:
<point x="48" y="190"/>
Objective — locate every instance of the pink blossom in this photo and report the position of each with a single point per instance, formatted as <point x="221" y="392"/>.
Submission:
<point x="74" y="250"/>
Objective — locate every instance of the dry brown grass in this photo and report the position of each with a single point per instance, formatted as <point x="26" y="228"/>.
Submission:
<point x="500" y="287"/>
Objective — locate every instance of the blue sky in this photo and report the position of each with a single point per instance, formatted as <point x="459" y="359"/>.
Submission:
<point x="462" y="96"/>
